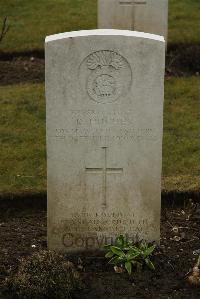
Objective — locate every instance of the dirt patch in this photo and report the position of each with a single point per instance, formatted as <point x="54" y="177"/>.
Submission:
<point x="183" y="60"/>
<point x="23" y="231"/>
<point x="21" y="69"/>
<point x="19" y="231"/>
<point x="15" y="68"/>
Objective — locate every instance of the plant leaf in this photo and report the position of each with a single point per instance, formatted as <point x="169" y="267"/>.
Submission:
<point x="107" y="246"/>
<point x="114" y="261"/>
<point x="149" y="250"/>
<point x="198" y="262"/>
<point x="130" y="243"/>
<point x="133" y="249"/>
<point x="120" y="241"/>
<point x="131" y="256"/>
<point x="128" y="267"/>
<point x="149" y="264"/>
<point x="139" y="267"/>
<point x="116" y="250"/>
<point x="109" y="254"/>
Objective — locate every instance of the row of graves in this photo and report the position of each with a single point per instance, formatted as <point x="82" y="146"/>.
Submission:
<point x="104" y="96"/>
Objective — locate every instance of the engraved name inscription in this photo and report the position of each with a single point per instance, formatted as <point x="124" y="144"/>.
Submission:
<point x="100" y="126"/>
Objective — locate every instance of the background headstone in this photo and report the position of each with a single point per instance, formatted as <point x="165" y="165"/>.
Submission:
<point x="104" y="93"/>
<point x="141" y="15"/>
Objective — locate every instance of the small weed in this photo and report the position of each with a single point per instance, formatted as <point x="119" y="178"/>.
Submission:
<point x="127" y="255"/>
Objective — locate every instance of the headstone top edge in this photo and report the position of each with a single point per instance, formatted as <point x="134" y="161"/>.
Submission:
<point x="104" y="32"/>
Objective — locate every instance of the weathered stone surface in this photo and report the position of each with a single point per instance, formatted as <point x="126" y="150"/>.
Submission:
<point x="142" y="15"/>
<point x="104" y="94"/>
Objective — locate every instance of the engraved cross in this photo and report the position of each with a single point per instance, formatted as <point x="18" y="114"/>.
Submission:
<point x="132" y="2"/>
<point x="104" y="171"/>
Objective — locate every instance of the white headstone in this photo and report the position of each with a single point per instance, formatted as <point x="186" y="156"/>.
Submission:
<point x="141" y="15"/>
<point x="104" y="94"/>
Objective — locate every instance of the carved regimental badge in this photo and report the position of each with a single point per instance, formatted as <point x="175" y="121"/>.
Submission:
<point x="108" y="76"/>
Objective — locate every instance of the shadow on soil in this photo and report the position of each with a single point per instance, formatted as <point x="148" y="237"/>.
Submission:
<point x="18" y="67"/>
<point x="39" y="200"/>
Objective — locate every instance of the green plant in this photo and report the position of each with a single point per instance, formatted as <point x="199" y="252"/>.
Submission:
<point x="126" y="254"/>
<point x="198" y="261"/>
<point x="45" y="274"/>
<point x="4" y="29"/>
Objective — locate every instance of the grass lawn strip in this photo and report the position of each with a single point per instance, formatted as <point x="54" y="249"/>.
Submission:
<point x="23" y="151"/>
<point x="31" y="21"/>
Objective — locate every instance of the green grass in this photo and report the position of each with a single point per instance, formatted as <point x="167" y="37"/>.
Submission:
<point x="181" y="145"/>
<point x="23" y="162"/>
<point x="31" y="21"/>
<point x="184" y="21"/>
<point x="22" y="124"/>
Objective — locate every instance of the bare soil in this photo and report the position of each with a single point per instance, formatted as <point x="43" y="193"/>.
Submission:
<point x="23" y="231"/>
<point x="21" y="69"/>
<point x="181" y="60"/>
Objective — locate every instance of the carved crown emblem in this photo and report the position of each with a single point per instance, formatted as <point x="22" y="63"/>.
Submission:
<point x="105" y="58"/>
<point x="106" y="75"/>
